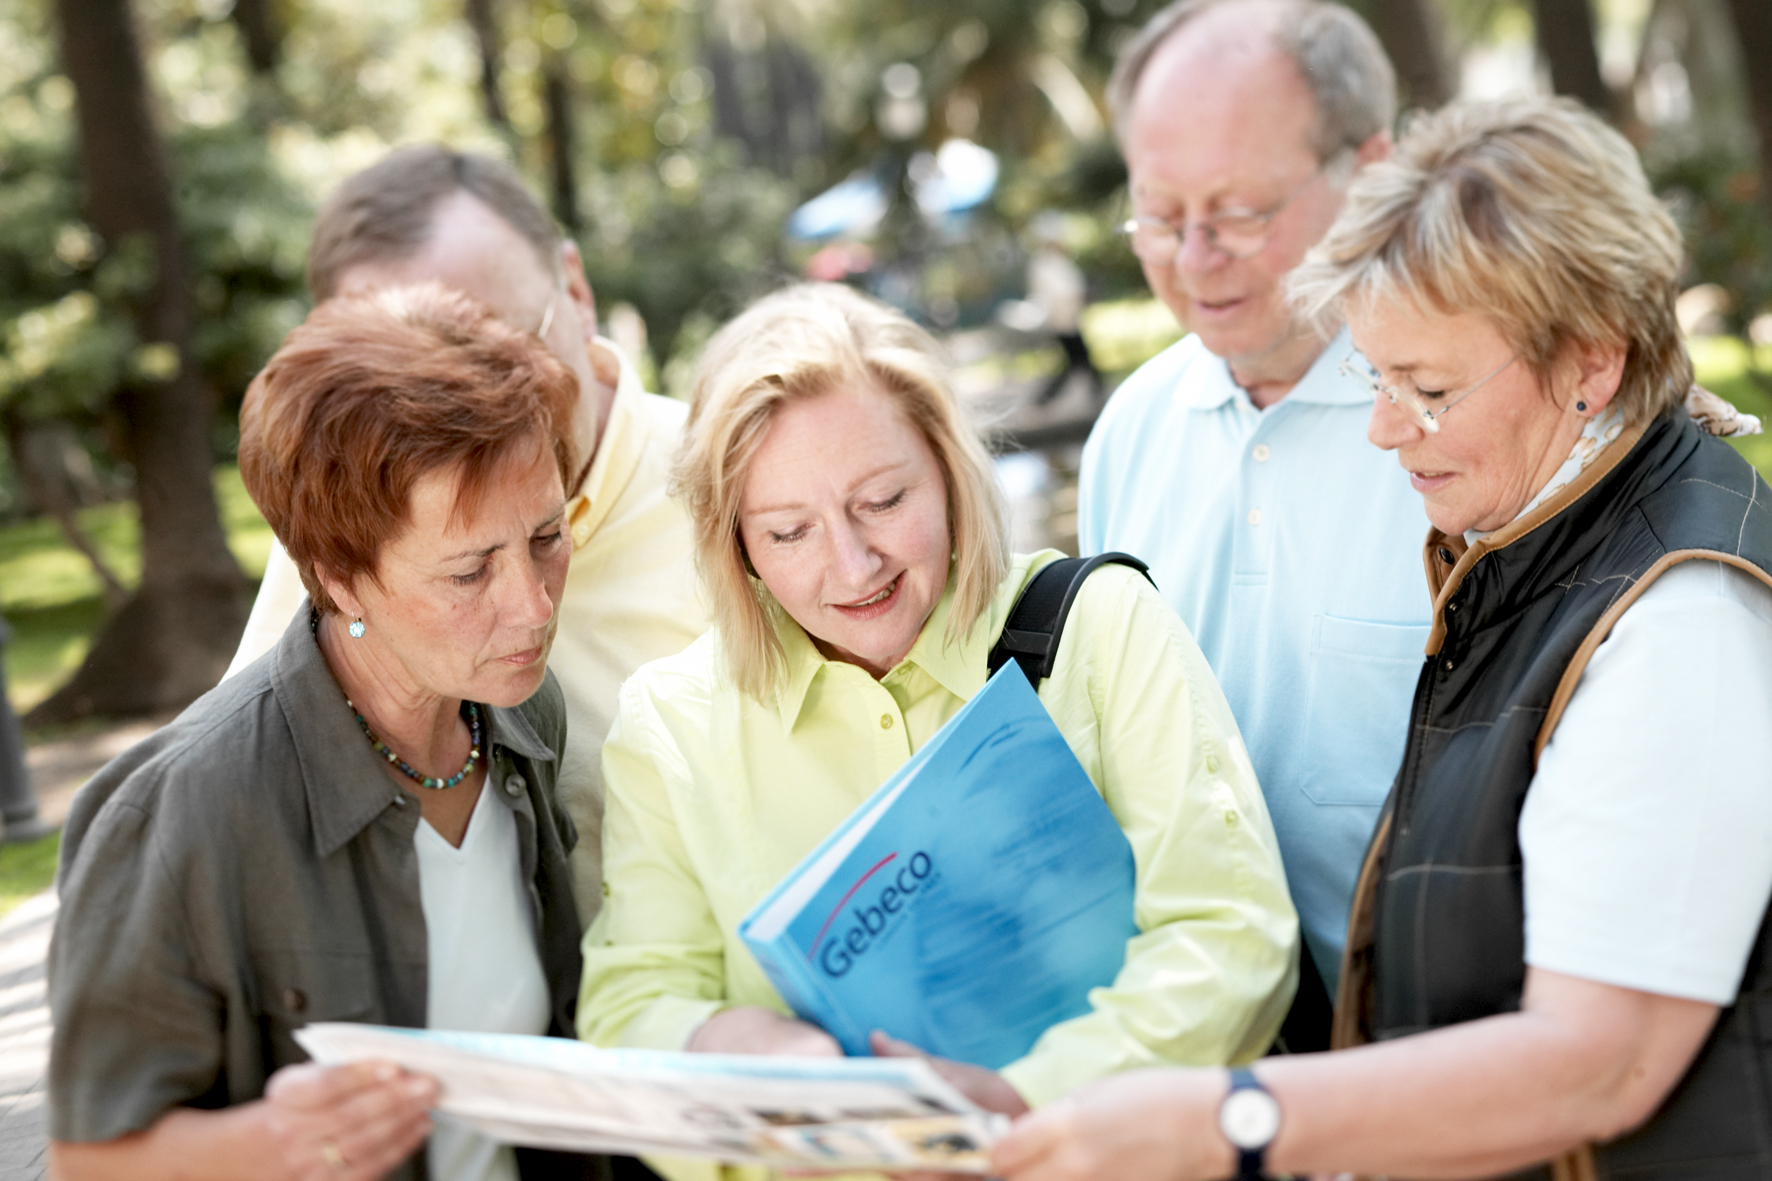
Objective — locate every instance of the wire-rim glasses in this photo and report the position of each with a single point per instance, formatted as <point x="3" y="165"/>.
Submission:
<point x="1358" y="367"/>
<point x="1235" y="233"/>
<point x="547" y="317"/>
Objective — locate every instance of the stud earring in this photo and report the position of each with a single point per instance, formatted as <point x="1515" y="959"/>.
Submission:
<point x="1581" y="407"/>
<point x="357" y="629"/>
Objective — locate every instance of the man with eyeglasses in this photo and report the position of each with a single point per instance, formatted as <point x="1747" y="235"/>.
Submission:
<point x="1236" y="462"/>
<point x="428" y="213"/>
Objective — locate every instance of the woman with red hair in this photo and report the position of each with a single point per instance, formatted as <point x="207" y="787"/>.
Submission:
<point x="362" y="824"/>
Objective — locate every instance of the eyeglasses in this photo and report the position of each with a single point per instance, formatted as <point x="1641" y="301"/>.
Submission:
<point x="1235" y="233"/>
<point x="1359" y="368"/>
<point x="547" y="317"/>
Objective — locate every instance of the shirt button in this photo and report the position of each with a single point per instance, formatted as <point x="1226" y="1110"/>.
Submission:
<point x="514" y="785"/>
<point x="295" y="1000"/>
<point x="1447" y="666"/>
<point x="885" y="721"/>
<point x="581" y="534"/>
<point x="1260" y="452"/>
<point x="400" y="801"/>
<point x="1211" y="764"/>
<point x="1255" y="516"/>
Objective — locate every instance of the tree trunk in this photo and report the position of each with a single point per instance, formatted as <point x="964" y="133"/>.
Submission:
<point x="484" y="22"/>
<point x="1410" y="32"/>
<point x="262" y="33"/>
<point x="44" y="477"/>
<point x="173" y="638"/>
<point x="1753" y="26"/>
<point x="557" y="96"/>
<point x="1565" y="31"/>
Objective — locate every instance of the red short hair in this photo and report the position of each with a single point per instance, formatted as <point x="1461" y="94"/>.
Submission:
<point x="373" y="392"/>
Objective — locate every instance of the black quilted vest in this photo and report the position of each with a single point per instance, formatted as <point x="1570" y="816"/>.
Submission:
<point x="1438" y="930"/>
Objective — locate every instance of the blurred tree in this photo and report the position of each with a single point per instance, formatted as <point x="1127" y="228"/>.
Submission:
<point x="1753" y="25"/>
<point x="1565" y="33"/>
<point x="171" y="640"/>
<point x="484" y="21"/>
<point x="562" y="139"/>
<point x="767" y="92"/>
<point x="1411" y="34"/>
<point x="261" y="32"/>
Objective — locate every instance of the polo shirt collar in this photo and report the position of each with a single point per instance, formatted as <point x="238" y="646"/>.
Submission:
<point x="1322" y="384"/>
<point x="802" y="660"/>
<point x="618" y="452"/>
<point x="958" y="667"/>
<point x="346" y="787"/>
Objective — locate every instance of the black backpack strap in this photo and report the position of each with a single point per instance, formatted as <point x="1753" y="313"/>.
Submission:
<point x="1036" y="622"/>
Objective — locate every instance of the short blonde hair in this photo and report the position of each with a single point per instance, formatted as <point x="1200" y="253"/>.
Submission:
<point x="1530" y="212"/>
<point x="799" y="343"/>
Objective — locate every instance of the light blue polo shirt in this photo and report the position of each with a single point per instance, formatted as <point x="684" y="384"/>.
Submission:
<point x="1291" y="548"/>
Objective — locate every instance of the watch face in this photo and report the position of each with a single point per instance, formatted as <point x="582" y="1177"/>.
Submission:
<point x="1249" y="1118"/>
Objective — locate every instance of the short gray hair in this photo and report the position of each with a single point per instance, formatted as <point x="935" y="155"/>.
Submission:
<point x="1351" y="81"/>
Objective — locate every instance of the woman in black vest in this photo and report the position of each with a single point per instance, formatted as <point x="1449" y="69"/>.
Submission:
<point x="1557" y="955"/>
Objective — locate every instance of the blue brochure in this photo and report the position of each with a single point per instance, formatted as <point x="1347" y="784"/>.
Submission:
<point x="969" y="905"/>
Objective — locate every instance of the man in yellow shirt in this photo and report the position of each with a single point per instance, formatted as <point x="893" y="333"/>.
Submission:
<point x="466" y="221"/>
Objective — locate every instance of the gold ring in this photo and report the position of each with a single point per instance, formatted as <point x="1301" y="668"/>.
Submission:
<point x="332" y="1156"/>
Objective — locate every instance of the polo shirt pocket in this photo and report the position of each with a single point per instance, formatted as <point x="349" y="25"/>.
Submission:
<point x="1362" y="677"/>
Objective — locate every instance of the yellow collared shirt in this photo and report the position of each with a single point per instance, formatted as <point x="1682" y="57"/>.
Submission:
<point x="714" y="796"/>
<point x="631" y="596"/>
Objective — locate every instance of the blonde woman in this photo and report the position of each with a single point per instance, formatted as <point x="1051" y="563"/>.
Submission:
<point x="852" y="536"/>
<point x="1559" y="943"/>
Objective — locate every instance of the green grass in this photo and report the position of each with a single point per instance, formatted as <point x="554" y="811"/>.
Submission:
<point x="53" y="598"/>
<point x="26" y="870"/>
<point x="1125" y="333"/>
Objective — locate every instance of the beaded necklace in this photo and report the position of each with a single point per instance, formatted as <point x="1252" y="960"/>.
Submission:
<point x="406" y="769"/>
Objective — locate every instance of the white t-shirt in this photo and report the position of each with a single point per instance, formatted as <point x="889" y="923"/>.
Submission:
<point x="485" y="970"/>
<point x="1647" y="832"/>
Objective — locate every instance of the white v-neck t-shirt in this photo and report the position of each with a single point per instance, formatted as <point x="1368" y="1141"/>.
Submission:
<point x="485" y="970"/>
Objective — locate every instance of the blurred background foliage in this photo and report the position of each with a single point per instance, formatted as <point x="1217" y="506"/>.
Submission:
<point x="674" y="139"/>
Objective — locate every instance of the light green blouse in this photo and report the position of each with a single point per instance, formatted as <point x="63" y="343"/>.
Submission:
<point x="713" y="796"/>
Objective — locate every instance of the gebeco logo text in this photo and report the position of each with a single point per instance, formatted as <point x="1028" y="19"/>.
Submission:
<point x="869" y="918"/>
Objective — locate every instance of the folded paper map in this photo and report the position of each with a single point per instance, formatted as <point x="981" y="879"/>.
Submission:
<point x="806" y="1113"/>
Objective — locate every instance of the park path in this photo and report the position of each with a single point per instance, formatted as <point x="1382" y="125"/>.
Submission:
<point x="24" y="1037"/>
<point x="58" y="768"/>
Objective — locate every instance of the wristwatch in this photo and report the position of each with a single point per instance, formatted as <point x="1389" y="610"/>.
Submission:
<point x="1249" y="1117"/>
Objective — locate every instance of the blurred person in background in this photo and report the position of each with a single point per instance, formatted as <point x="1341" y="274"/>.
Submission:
<point x="1561" y="951"/>
<point x="849" y="524"/>
<point x="1236" y="462"/>
<point x="19" y="821"/>
<point x="361" y="825"/>
<point x="465" y="220"/>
